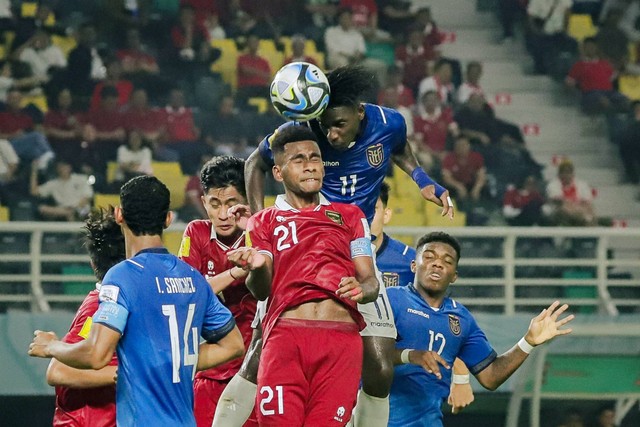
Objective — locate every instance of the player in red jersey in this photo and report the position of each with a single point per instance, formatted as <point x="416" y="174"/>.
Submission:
<point x="87" y="397"/>
<point x="313" y="259"/>
<point x="205" y="246"/>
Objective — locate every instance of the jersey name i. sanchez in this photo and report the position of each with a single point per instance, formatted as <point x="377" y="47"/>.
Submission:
<point x="354" y="176"/>
<point x="312" y="250"/>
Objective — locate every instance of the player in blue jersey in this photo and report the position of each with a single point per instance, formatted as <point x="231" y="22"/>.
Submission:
<point x="153" y="311"/>
<point x="358" y="142"/>
<point x="434" y="329"/>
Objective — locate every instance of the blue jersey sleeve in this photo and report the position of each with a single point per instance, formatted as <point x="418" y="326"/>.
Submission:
<point x="476" y="352"/>
<point x="218" y="320"/>
<point x="113" y="311"/>
<point x="400" y="142"/>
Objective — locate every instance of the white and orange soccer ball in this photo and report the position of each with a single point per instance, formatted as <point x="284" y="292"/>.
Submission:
<point x="300" y="91"/>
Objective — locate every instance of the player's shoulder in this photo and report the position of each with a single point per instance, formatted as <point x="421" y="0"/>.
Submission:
<point x="401" y="248"/>
<point x="198" y="227"/>
<point x="261" y="217"/>
<point x="378" y="114"/>
<point x="398" y="294"/>
<point x="346" y="209"/>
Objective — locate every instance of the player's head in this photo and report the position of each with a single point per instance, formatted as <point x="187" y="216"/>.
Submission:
<point x="144" y="206"/>
<point x="436" y="263"/>
<point x="104" y="241"/>
<point x="342" y="118"/>
<point x="298" y="161"/>
<point x="382" y="214"/>
<point x="222" y="180"/>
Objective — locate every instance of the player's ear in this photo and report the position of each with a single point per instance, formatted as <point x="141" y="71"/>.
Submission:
<point x="454" y="278"/>
<point x="277" y="173"/>
<point x="388" y="213"/>
<point x="204" y="202"/>
<point x="413" y="266"/>
<point x="169" y="219"/>
<point x="361" y="112"/>
<point x="117" y="215"/>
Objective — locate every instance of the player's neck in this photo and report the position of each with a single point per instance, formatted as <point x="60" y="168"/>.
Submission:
<point x="135" y="244"/>
<point x="434" y="299"/>
<point x="230" y="239"/>
<point x="379" y="241"/>
<point x="302" y="201"/>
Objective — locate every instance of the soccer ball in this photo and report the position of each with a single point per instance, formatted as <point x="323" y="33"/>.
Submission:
<point x="300" y="91"/>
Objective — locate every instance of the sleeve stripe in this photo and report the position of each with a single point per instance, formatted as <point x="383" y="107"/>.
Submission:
<point x="479" y="367"/>
<point x="265" y="252"/>
<point x="213" y="337"/>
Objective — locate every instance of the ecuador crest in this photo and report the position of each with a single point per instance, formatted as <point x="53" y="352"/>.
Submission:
<point x="375" y="155"/>
<point x="454" y="324"/>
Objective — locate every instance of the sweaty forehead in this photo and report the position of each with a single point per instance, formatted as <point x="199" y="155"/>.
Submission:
<point x="301" y="147"/>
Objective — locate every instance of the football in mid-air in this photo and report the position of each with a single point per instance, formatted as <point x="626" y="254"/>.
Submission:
<point x="300" y="91"/>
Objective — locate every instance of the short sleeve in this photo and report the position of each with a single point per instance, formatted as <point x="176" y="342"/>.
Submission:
<point x="360" y="243"/>
<point x="218" y="320"/>
<point x="476" y="352"/>
<point x="190" y="251"/>
<point x="258" y="234"/>
<point x="113" y="311"/>
<point x="400" y="142"/>
<point x="46" y="189"/>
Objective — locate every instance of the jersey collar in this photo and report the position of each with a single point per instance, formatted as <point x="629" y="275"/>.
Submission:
<point x="156" y="250"/>
<point x="235" y="244"/>
<point x="282" y="204"/>
<point x="383" y="245"/>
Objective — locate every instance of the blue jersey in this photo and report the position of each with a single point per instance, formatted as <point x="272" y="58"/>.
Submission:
<point x="451" y="331"/>
<point x="161" y="306"/>
<point x="393" y="259"/>
<point x="354" y="176"/>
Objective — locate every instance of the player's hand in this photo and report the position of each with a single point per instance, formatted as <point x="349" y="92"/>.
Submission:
<point x="39" y="346"/>
<point x="429" y="193"/>
<point x="241" y="213"/>
<point x="247" y="258"/>
<point x="460" y="396"/>
<point x="429" y="360"/>
<point x="350" y="288"/>
<point x="546" y="326"/>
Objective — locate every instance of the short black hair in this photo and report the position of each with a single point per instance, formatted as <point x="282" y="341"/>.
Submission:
<point x="145" y="205"/>
<point x="104" y="241"/>
<point x="348" y="86"/>
<point x="221" y="172"/>
<point x="384" y="193"/>
<point x="293" y="133"/>
<point x="439" y="236"/>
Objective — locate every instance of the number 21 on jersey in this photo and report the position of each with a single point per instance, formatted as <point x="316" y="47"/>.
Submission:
<point x="287" y="235"/>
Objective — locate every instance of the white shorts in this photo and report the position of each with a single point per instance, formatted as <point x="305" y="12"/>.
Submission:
<point x="377" y="314"/>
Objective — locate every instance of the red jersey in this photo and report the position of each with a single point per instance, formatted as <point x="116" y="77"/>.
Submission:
<point x="311" y="253"/>
<point x="519" y="199"/>
<point x="59" y="119"/>
<point x="124" y="88"/>
<point x="434" y="128"/>
<point x="465" y="170"/>
<point x="95" y="407"/>
<point x="11" y="122"/>
<point x="248" y="61"/>
<point x="145" y="120"/>
<point x="595" y="74"/>
<point x="202" y="250"/>
<point x="180" y="124"/>
<point x="105" y="121"/>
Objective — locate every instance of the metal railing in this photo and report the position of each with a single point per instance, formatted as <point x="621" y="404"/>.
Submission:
<point x="501" y="287"/>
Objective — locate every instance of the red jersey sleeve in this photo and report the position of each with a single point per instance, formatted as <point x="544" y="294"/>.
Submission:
<point x="191" y="250"/>
<point x="259" y="234"/>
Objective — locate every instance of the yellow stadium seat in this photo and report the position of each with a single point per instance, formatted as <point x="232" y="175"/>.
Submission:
<point x="28" y="9"/>
<point x="266" y="46"/>
<point x="39" y="101"/>
<point x="406" y="212"/>
<point x="171" y="175"/>
<point x="66" y="44"/>
<point x="319" y="58"/>
<point x="4" y="213"/>
<point x="261" y="104"/>
<point x="581" y="26"/>
<point x="112" y="168"/>
<point x="629" y="86"/>
<point x="633" y="53"/>
<point x="105" y="200"/>
<point x="269" y="201"/>
<point x="172" y="240"/>
<point x="228" y="62"/>
<point x="3" y="52"/>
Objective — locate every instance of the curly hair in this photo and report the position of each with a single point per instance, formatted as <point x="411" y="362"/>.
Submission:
<point x="104" y="241"/>
<point x="439" y="236"/>
<point x="221" y="172"/>
<point x="293" y="133"/>
<point x="145" y="205"/>
<point x="348" y="86"/>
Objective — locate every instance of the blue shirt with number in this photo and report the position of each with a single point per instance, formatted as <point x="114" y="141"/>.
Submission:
<point x="451" y="331"/>
<point x="393" y="259"/>
<point x="354" y="176"/>
<point x="162" y="307"/>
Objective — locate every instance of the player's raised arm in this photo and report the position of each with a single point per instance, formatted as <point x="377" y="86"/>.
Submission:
<point x="254" y="170"/>
<point x="544" y="327"/>
<point x="430" y="190"/>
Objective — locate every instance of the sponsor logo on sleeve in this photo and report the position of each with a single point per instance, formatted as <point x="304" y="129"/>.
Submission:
<point x="86" y="328"/>
<point x="109" y="293"/>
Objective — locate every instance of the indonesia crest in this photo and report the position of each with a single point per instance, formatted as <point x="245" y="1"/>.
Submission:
<point x="390" y="279"/>
<point x="454" y="324"/>
<point x="375" y="155"/>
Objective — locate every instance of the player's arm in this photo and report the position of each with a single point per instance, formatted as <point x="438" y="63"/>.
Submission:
<point x="93" y="353"/>
<point x="229" y="347"/>
<point x="59" y="374"/>
<point x="430" y="190"/>
<point x="254" y="169"/>
<point x="260" y="268"/>
<point x="364" y="287"/>
<point x="221" y="281"/>
<point x="542" y="328"/>
<point x="461" y="394"/>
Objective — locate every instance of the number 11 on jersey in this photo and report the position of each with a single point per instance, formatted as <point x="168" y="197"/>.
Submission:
<point x="345" y="183"/>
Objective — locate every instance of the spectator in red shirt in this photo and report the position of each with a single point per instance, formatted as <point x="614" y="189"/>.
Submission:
<point x="25" y="136"/>
<point x="394" y="82"/>
<point x="594" y="77"/>
<point x="414" y="57"/>
<point x="150" y="122"/>
<point x="464" y="173"/>
<point x="298" y="43"/>
<point x="134" y="59"/>
<point x="365" y="18"/>
<point x="63" y="130"/>
<point x="522" y="205"/>
<point x="254" y="72"/>
<point x="432" y="126"/>
<point x="114" y="78"/>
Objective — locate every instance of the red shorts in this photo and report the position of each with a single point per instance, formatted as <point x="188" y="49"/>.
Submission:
<point x="206" y="393"/>
<point x="309" y="374"/>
